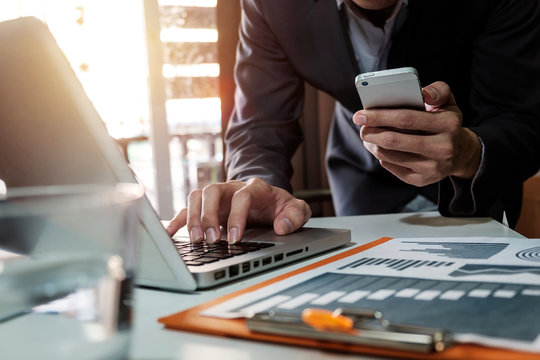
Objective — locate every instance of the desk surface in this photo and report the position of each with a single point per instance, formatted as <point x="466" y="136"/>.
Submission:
<point x="152" y="341"/>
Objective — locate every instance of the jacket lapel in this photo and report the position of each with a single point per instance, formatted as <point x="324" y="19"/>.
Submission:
<point x="332" y="50"/>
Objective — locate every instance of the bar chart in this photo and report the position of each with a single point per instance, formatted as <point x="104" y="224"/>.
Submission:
<point x="459" y="306"/>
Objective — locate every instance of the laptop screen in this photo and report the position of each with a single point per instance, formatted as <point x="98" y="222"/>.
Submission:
<point x="43" y="140"/>
<point x="50" y="134"/>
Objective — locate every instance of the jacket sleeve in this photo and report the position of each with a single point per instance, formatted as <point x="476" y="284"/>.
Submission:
<point x="263" y="132"/>
<point x="505" y="73"/>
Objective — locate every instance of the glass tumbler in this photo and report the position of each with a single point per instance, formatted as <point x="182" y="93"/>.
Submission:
<point x="67" y="265"/>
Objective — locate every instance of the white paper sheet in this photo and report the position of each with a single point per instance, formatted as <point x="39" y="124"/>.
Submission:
<point x="487" y="272"/>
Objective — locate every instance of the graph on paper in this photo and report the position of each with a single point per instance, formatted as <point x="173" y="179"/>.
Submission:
<point x="457" y="250"/>
<point x="396" y="264"/>
<point x="482" y="289"/>
<point x="454" y="305"/>
<point x="481" y="269"/>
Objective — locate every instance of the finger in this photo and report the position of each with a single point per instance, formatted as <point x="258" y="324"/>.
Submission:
<point x="438" y="94"/>
<point x="424" y="167"/>
<point x="393" y="140"/>
<point x="395" y="157"/>
<point x="286" y="212"/>
<point x="211" y="200"/>
<point x="256" y="200"/>
<point x="439" y="97"/>
<point x="409" y="176"/>
<point x="410" y="121"/>
<point x="194" y="216"/>
<point x="261" y="203"/>
<point x="407" y="119"/>
<point x="437" y="143"/>
<point x="240" y="205"/>
<point x="295" y="214"/>
<point x="178" y="222"/>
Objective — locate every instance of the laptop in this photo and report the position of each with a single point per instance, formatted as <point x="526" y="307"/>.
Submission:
<point x="50" y="134"/>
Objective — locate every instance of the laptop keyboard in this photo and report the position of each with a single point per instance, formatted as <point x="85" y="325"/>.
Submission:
<point x="204" y="253"/>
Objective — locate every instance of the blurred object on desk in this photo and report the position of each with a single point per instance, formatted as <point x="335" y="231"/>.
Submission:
<point x="69" y="292"/>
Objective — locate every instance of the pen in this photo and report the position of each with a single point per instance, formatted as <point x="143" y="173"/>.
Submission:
<point x="322" y="319"/>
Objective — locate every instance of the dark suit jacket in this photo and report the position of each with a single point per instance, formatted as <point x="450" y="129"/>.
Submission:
<point x="488" y="51"/>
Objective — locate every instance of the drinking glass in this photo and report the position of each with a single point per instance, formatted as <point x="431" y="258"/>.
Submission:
<point x="67" y="263"/>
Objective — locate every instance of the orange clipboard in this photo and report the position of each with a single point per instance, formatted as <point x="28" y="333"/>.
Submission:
<point x="191" y="320"/>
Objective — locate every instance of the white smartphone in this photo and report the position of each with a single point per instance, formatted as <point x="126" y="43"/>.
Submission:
<point x="393" y="88"/>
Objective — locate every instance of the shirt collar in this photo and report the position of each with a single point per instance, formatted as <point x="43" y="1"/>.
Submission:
<point x="399" y="5"/>
<point x="339" y="2"/>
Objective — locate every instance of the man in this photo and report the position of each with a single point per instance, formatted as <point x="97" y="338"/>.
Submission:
<point x="480" y="60"/>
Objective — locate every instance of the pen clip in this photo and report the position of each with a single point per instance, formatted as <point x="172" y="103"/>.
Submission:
<point x="440" y="338"/>
<point x="364" y="327"/>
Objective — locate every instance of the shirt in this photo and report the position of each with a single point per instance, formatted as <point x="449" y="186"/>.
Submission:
<point x="371" y="44"/>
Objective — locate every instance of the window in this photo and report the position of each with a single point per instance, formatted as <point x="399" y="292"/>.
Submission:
<point x="105" y="42"/>
<point x="190" y="69"/>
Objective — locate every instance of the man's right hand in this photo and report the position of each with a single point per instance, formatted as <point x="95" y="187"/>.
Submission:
<point x="236" y="203"/>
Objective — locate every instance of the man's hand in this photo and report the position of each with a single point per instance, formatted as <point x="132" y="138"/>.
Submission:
<point x="235" y="204"/>
<point x="438" y="146"/>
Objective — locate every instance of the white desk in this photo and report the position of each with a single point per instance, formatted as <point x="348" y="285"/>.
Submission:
<point x="152" y="341"/>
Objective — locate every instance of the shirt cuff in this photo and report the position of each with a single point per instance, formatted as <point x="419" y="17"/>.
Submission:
<point x="463" y="202"/>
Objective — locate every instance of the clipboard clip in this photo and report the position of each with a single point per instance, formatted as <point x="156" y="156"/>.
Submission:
<point x="351" y="326"/>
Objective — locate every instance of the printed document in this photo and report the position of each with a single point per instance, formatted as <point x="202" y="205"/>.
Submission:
<point x="483" y="290"/>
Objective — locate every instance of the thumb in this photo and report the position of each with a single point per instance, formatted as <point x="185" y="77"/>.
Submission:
<point x="438" y="94"/>
<point x="293" y="216"/>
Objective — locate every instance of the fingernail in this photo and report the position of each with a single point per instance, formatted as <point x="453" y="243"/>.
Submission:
<point x="286" y="225"/>
<point x="360" y="119"/>
<point x="232" y="236"/>
<point x="211" y="235"/>
<point x="433" y="94"/>
<point x="195" y="234"/>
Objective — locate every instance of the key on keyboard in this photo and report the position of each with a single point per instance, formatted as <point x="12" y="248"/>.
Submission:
<point x="204" y="253"/>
